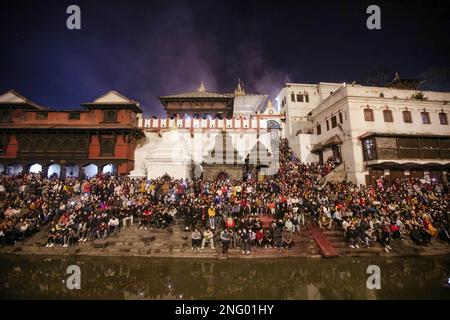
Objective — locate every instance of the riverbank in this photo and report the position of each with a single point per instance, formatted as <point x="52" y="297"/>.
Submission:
<point x="174" y="242"/>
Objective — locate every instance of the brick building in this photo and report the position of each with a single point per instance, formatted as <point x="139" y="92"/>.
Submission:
<point x="100" y="137"/>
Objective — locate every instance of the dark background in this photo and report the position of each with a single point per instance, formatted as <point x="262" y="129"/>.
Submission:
<point x="145" y="49"/>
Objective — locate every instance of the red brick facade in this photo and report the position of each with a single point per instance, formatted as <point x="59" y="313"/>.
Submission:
<point x="103" y="133"/>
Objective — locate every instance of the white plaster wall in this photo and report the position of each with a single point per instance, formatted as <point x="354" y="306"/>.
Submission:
<point x="173" y="152"/>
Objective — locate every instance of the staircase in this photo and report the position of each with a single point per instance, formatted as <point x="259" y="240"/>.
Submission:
<point x="338" y="174"/>
<point x="399" y="247"/>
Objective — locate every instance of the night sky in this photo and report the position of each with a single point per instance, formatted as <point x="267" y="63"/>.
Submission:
<point x="145" y="49"/>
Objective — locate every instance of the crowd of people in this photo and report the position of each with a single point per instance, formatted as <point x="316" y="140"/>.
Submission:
<point x="79" y="210"/>
<point x="381" y="213"/>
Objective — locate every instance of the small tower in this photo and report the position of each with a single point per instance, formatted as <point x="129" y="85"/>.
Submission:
<point x="239" y="91"/>
<point x="201" y="87"/>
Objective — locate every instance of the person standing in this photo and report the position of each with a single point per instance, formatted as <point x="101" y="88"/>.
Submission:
<point x="212" y="217"/>
<point x="225" y="238"/>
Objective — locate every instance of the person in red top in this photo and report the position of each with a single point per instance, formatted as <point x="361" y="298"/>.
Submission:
<point x="259" y="237"/>
<point x="146" y="218"/>
<point x="230" y="223"/>
<point x="395" y="232"/>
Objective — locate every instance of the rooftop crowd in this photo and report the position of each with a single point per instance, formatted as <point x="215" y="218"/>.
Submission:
<point x="225" y="211"/>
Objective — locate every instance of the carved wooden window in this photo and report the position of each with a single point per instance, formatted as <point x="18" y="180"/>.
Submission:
<point x="74" y="116"/>
<point x="25" y="145"/>
<point x="107" y="147"/>
<point x="3" y="145"/>
<point x="110" y="115"/>
<point x="67" y="145"/>
<point x="53" y="145"/>
<point x="39" y="145"/>
<point x="5" y="115"/>
<point x="41" y="116"/>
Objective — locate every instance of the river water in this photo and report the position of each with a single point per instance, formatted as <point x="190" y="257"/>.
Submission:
<point x="38" y="277"/>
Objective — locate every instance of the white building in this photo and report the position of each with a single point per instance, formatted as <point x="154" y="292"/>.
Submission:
<point x="376" y="131"/>
<point x="212" y="134"/>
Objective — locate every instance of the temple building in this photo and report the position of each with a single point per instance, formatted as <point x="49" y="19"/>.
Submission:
<point x="210" y="135"/>
<point x="392" y="132"/>
<point x="100" y="137"/>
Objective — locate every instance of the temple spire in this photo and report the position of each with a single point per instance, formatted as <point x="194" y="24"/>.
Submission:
<point x="201" y="87"/>
<point x="269" y="108"/>
<point x="239" y="91"/>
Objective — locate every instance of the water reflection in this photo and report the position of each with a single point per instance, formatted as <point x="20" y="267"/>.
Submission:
<point x="140" y="278"/>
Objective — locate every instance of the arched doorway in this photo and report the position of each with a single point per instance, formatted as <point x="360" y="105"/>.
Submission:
<point x="90" y="170"/>
<point x="109" y="169"/>
<point x="14" y="169"/>
<point x="72" y="170"/>
<point x="54" y="171"/>
<point x="36" y="168"/>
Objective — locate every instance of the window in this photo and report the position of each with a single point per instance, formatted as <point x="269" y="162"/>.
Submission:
<point x="109" y="115"/>
<point x="2" y="147"/>
<point x="74" y="116"/>
<point x="67" y="145"/>
<point x="368" y="114"/>
<point x="306" y="98"/>
<point x="5" y="115"/>
<point x="41" y="115"/>
<point x="369" y="149"/>
<point x="386" y="148"/>
<point x="408" y="148"/>
<point x="328" y="125"/>
<point x="299" y="97"/>
<point x="407" y="116"/>
<point x="341" y="120"/>
<point x="425" y="117"/>
<point x="443" y="118"/>
<point x="292" y="97"/>
<point x="319" y="129"/>
<point x="387" y="115"/>
<point x="429" y="148"/>
<point x="333" y="122"/>
<point x="107" y="147"/>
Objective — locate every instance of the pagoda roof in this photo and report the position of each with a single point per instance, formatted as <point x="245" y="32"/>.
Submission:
<point x="12" y="97"/>
<point x="200" y="93"/>
<point x="197" y="94"/>
<point x="114" y="98"/>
